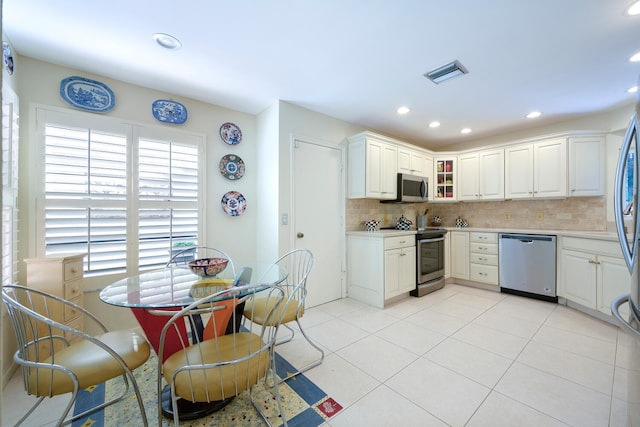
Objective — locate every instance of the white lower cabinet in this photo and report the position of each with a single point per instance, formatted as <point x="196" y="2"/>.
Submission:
<point x="592" y="272"/>
<point x="380" y="266"/>
<point x="459" y="252"/>
<point x="399" y="266"/>
<point x="483" y="257"/>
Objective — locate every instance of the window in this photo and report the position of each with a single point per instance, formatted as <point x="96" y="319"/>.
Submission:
<point x="123" y="194"/>
<point x="9" y="186"/>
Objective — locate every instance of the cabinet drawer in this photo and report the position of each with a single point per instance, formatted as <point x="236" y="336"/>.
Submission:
<point x="399" y="241"/>
<point x="73" y="270"/>
<point x="73" y="289"/>
<point x="483" y="248"/>
<point x="484" y="273"/>
<point x="604" y="247"/>
<point x="476" y="236"/>
<point x="487" y="259"/>
<point x="71" y="313"/>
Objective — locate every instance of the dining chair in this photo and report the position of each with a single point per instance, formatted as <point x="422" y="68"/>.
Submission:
<point x="190" y="253"/>
<point x="215" y="370"/>
<point x="57" y="358"/>
<point x="298" y="263"/>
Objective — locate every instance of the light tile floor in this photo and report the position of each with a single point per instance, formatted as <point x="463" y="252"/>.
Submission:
<point x="460" y="356"/>
<point x="464" y="356"/>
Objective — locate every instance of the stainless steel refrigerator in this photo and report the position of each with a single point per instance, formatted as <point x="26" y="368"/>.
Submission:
<point x="628" y="227"/>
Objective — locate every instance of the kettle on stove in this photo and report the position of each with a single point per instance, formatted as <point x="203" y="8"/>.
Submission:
<point x="403" y="223"/>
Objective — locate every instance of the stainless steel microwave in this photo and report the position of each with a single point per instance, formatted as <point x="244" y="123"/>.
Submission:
<point x="411" y="189"/>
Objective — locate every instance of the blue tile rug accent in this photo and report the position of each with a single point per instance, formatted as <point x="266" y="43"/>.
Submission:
<point x="305" y="403"/>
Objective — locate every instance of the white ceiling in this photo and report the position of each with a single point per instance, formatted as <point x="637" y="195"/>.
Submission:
<point x="356" y="60"/>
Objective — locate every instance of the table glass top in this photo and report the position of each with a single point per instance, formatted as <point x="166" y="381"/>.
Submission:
<point x="178" y="286"/>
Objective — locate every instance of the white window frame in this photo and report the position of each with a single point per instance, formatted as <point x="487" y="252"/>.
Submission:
<point x="10" y="136"/>
<point x="133" y="131"/>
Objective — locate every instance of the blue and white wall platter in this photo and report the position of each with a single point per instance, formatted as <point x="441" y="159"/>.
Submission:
<point x="230" y="133"/>
<point x="167" y="111"/>
<point x="7" y="57"/>
<point x="87" y="94"/>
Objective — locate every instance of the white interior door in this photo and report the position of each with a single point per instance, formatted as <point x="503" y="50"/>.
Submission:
<point x="317" y="221"/>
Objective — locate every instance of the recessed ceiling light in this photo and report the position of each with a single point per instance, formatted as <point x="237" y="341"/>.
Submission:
<point x="533" y="114"/>
<point x="403" y="110"/>
<point x="635" y="58"/>
<point x="634" y="9"/>
<point x="465" y="131"/>
<point x="632" y="89"/>
<point x="167" y="41"/>
<point x="434" y="124"/>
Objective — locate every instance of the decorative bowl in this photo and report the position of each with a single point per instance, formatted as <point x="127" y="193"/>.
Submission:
<point x="207" y="267"/>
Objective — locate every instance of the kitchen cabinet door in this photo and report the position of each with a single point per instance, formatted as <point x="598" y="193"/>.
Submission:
<point x="399" y="271"/>
<point x="613" y="280"/>
<point x="481" y="175"/>
<point x="519" y="172"/>
<point x="446" y="179"/>
<point x="468" y="183"/>
<point x="586" y="166"/>
<point x="491" y="174"/>
<point x="550" y="168"/>
<point x="460" y="254"/>
<point x="578" y="278"/>
<point x="372" y="168"/>
<point x="411" y="162"/>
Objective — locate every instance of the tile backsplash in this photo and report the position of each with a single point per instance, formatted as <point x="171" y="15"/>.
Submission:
<point x="575" y="213"/>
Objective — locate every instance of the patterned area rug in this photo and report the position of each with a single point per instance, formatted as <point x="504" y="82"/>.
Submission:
<point x="304" y="403"/>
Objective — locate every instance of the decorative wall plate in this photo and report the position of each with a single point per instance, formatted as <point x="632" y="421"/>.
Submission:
<point x="230" y="133"/>
<point x="232" y="167"/>
<point x="233" y="203"/>
<point x="167" y="111"/>
<point x="7" y="57"/>
<point x="87" y="94"/>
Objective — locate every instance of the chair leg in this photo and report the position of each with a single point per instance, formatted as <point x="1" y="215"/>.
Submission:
<point x="30" y="411"/>
<point x="310" y="365"/>
<point x="276" y="392"/>
<point x="290" y="337"/>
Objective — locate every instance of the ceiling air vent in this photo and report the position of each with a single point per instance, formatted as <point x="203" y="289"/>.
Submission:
<point x="446" y="72"/>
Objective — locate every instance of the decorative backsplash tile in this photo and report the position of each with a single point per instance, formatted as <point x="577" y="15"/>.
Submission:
<point x="576" y="213"/>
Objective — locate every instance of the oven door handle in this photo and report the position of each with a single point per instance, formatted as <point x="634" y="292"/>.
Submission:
<point x="437" y="239"/>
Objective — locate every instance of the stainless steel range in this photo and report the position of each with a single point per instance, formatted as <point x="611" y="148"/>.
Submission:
<point x="430" y="262"/>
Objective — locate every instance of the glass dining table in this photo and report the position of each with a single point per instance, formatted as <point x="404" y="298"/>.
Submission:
<point x="154" y="296"/>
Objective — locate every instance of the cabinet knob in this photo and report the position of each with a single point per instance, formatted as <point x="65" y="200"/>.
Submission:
<point x="300" y="235"/>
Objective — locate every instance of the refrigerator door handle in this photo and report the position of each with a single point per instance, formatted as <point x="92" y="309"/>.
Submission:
<point x="628" y="251"/>
<point x="615" y="310"/>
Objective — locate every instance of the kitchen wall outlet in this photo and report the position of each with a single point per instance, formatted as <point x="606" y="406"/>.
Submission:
<point x="507" y="216"/>
<point x="539" y="216"/>
<point x="284" y="219"/>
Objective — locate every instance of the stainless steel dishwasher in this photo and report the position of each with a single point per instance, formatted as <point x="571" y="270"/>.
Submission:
<point x="527" y="265"/>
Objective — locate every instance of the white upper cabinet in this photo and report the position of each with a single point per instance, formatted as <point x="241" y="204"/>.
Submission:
<point x="411" y="162"/>
<point x="586" y="166"/>
<point x="536" y="170"/>
<point x="372" y="167"/>
<point x="481" y="175"/>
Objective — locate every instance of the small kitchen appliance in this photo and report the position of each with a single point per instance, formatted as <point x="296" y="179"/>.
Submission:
<point x="410" y="189"/>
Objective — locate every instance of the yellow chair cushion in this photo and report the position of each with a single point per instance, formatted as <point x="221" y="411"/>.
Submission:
<point x="90" y="363"/>
<point x="206" y="385"/>
<point x="259" y="308"/>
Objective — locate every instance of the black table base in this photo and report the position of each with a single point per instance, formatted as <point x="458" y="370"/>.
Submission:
<point x="190" y="410"/>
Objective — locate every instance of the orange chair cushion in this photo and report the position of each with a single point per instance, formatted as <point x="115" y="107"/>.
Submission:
<point x="89" y="362"/>
<point x="259" y="308"/>
<point x="206" y="385"/>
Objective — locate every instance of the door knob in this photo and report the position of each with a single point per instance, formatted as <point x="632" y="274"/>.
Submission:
<point x="300" y="235"/>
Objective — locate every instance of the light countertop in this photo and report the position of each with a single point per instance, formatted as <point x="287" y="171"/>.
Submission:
<point x="603" y="235"/>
